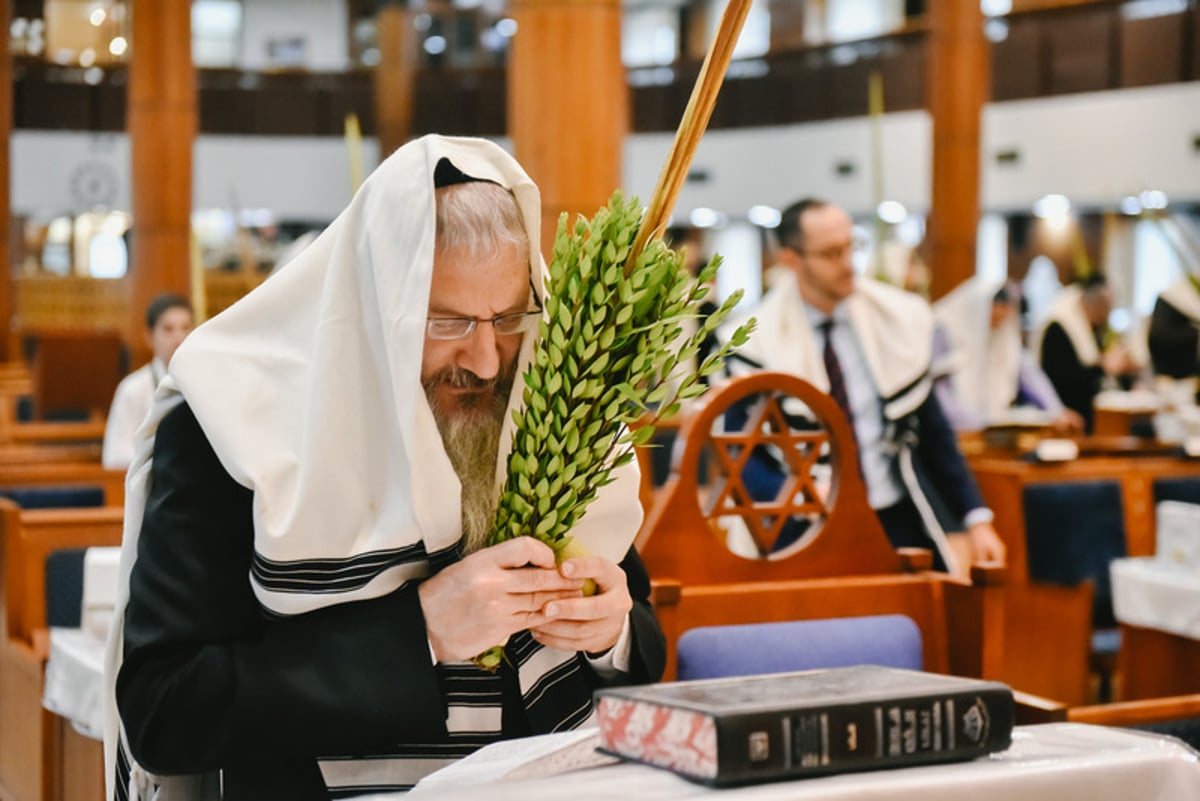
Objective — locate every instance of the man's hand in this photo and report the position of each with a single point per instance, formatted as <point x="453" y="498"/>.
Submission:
<point x="477" y="603"/>
<point x="986" y="545"/>
<point x="593" y="623"/>
<point x="1067" y="422"/>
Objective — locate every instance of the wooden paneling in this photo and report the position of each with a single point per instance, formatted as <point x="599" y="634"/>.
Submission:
<point x="1151" y="50"/>
<point x="1154" y="663"/>
<point x="1194" y="43"/>
<point x="1018" y="62"/>
<point x="809" y="80"/>
<point x="1080" y="48"/>
<point x="7" y="251"/>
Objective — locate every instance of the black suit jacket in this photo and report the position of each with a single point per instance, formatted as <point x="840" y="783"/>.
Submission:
<point x="210" y="681"/>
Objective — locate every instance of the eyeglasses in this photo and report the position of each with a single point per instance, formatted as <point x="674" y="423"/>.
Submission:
<point x="836" y="252"/>
<point x="461" y="327"/>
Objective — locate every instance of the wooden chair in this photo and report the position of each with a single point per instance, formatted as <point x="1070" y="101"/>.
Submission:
<point x="41" y="756"/>
<point x="842" y="566"/>
<point x="75" y="373"/>
<point x="65" y="474"/>
<point x="1049" y="625"/>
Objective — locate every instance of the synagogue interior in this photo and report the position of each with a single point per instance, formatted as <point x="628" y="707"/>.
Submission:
<point x="1010" y="189"/>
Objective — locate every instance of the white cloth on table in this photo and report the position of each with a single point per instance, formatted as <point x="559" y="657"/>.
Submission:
<point x="74" y="685"/>
<point x="1049" y="762"/>
<point x="100" y="567"/>
<point x="1149" y="594"/>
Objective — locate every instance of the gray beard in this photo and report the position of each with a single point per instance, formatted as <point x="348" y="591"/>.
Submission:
<point x="472" y="441"/>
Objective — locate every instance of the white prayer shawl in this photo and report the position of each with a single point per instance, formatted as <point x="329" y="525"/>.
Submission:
<point x="895" y="330"/>
<point x="1067" y="311"/>
<point x="987" y="362"/>
<point x="309" y="391"/>
<point x="1184" y="297"/>
<point x="894" y="327"/>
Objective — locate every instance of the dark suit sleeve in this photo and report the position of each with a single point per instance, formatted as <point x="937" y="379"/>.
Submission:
<point x="209" y="681"/>
<point x="1075" y="383"/>
<point x="942" y="462"/>
<point x="648" y="658"/>
<point x="1174" y="349"/>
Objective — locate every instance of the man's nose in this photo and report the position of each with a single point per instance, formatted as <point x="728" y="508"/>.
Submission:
<point x="480" y="353"/>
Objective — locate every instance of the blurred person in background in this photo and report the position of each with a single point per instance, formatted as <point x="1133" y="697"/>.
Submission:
<point x="168" y="322"/>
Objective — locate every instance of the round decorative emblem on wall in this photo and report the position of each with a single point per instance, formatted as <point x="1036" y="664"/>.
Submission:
<point x="94" y="183"/>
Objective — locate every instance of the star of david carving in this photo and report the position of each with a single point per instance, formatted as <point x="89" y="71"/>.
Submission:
<point x="766" y="427"/>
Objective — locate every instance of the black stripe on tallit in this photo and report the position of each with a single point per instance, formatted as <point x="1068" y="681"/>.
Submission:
<point x="333" y="576"/>
<point x="556" y="702"/>
<point x="122" y="771"/>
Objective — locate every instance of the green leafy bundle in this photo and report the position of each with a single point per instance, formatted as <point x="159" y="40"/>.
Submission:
<point x="612" y="360"/>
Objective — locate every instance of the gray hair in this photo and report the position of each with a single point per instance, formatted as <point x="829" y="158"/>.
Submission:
<point x="479" y="216"/>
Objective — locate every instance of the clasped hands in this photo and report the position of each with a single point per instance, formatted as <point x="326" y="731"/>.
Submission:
<point x="481" y="600"/>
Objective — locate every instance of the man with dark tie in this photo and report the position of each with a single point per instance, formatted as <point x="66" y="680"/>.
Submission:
<point x="869" y="345"/>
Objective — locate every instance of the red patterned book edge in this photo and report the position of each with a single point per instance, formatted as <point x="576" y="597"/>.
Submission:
<point x="676" y="739"/>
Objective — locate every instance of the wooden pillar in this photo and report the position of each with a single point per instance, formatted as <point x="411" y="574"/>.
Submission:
<point x="959" y="80"/>
<point x="395" y="76"/>
<point x="161" y="120"/>
<point x="6" y="232"/>
<point x="568" y="103"/>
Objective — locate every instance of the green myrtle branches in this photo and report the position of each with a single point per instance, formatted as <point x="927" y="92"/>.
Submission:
<point x="612" y="349"/>
<point x="612" y="353"/>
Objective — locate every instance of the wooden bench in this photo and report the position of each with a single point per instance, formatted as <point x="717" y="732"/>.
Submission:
<point x="65" y="474"/>
<point x="842" y="566"/>
<point x="41" y="756"/>
<point x="1049" y="626"/>
<point x="22" y="453"/>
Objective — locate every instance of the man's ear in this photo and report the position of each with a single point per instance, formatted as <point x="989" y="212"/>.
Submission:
<point x="148" y="336"/>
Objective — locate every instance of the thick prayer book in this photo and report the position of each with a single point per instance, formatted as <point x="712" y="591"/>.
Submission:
<point x="815" y="722"/>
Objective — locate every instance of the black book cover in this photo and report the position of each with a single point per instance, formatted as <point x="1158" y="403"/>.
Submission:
<point x="790" y="725"/>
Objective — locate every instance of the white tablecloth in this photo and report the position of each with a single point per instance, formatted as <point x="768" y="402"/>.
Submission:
<point x="75" y="680"/>
<point x="1153" y="595"/>
<point x="1051" y="762"/>
<point x="100" y="567"/>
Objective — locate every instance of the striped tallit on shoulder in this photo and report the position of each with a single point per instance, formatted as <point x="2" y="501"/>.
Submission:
<point x="554" y="692"/>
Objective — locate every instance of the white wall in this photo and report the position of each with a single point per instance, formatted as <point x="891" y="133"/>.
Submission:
<point x="297" y="178"/>
<point x="775" y="166"/>
<point x="1093" y="148"/>
<point x="321" y="23"/>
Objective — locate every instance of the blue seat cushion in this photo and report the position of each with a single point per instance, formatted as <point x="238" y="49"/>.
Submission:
<point x="1177" y="488"/>
<point x="64" y="587"/>
<point x="1073" y="530"/>
<point x="55" y="497"/>
<point x="742" y="650"/>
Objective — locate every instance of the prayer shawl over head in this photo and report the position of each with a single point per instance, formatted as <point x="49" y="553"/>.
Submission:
<point x="1067" y="311"/>
<point x="895" y="330"/>
<point x="309" y="391"/>
<point x="987" y="362"/>
<point x="894" y="327"/>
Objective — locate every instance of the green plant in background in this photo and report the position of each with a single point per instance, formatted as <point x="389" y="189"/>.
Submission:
<point x="612" y="353"/>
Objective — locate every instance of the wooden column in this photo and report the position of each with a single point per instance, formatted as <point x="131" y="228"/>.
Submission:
<point x="568" y="103"/>
<point x="6" y="233"/>
<point x="959" y="81"/>
<point x="161" y="120"/>
<point x="395" y="76"/>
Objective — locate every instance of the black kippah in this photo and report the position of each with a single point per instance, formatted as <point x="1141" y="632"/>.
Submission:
<point x="446" y="174"/>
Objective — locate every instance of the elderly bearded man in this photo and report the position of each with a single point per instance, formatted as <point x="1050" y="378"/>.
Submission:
<point x="306" y="582"/>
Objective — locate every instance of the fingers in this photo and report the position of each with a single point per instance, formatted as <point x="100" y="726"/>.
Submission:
<point x="520" y="552"/>
<point x="600" y="570"/>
